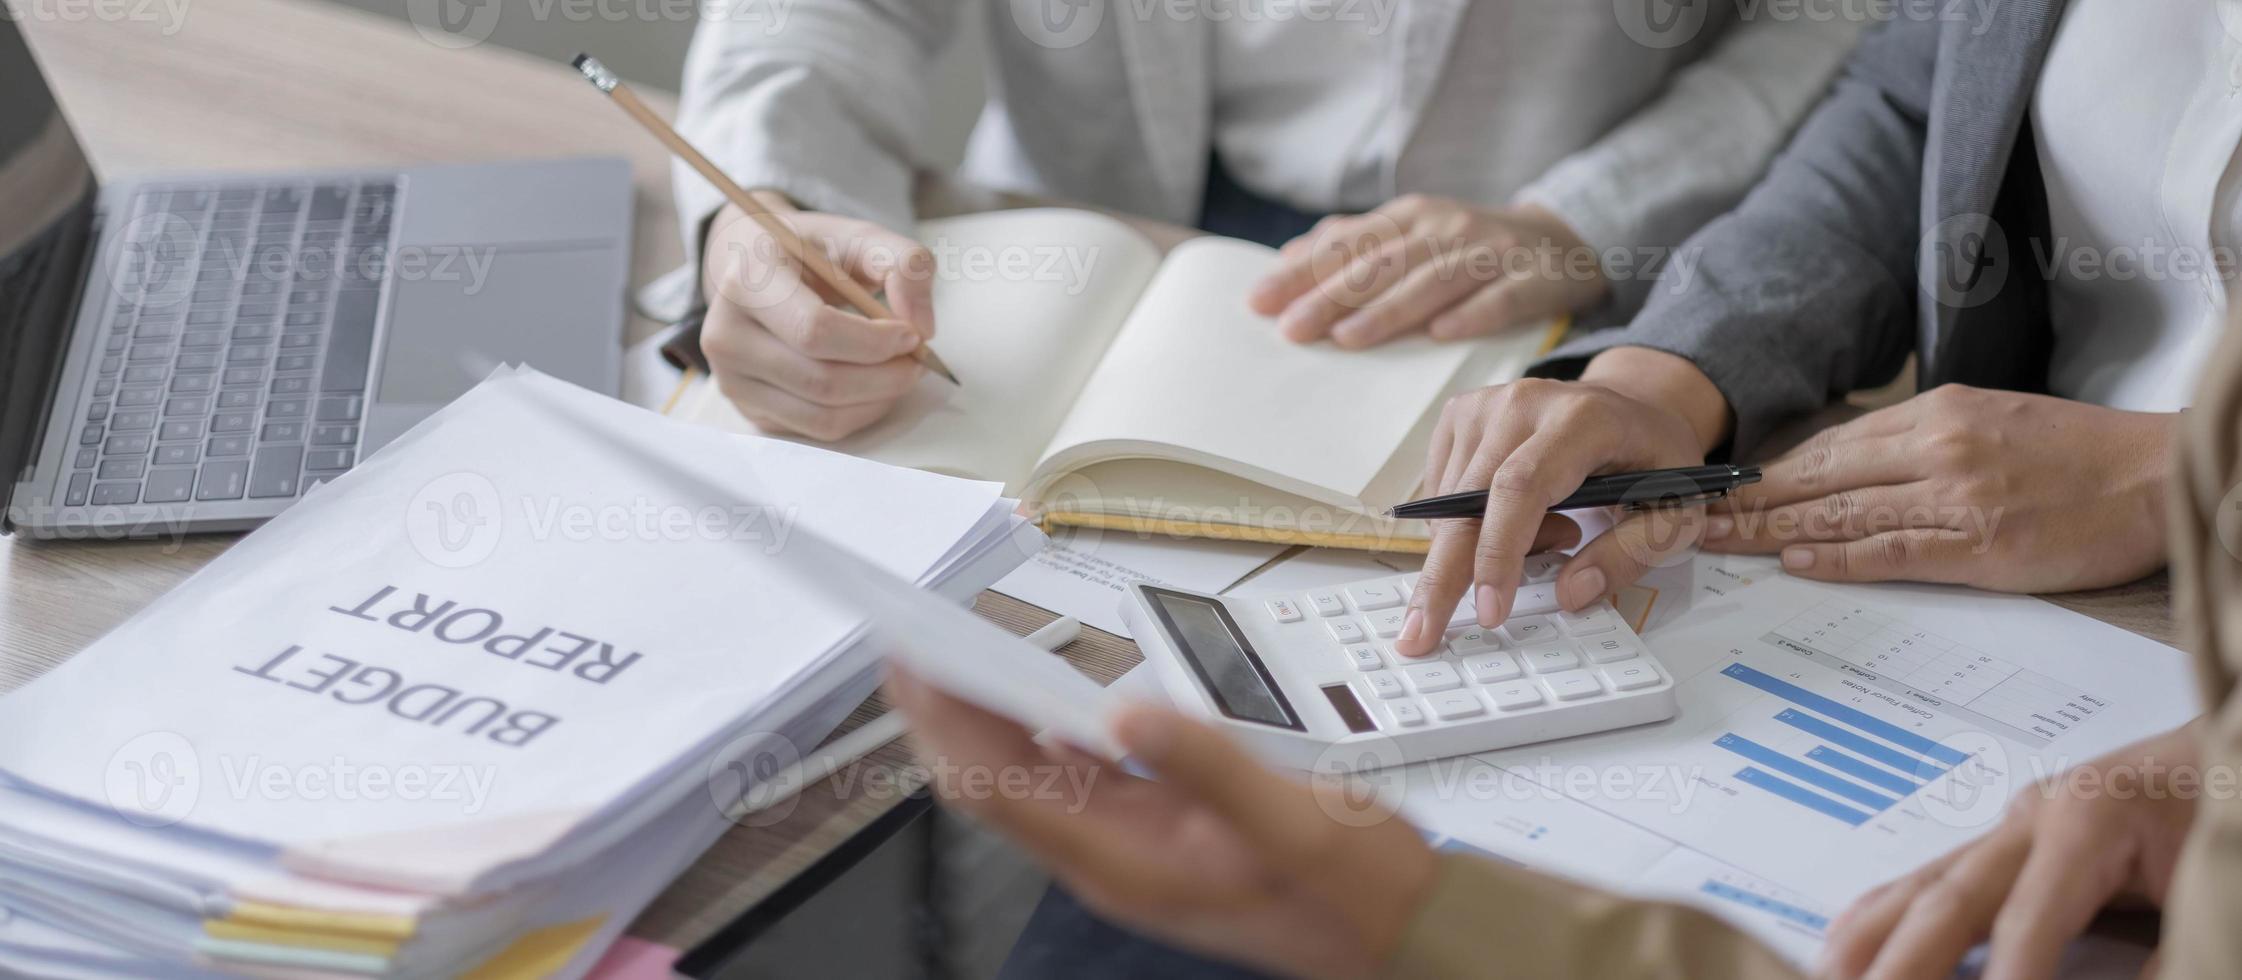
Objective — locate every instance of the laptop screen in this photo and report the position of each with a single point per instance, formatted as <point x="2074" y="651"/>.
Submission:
<point x="47" y="194"/>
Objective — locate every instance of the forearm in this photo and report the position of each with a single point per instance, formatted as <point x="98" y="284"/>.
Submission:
<point x="1806" y="291"/>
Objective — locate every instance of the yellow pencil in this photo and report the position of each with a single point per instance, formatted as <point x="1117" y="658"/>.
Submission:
<point x="800" y="251"/>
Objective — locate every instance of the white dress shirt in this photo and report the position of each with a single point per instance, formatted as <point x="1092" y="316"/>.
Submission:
<point x="2138" y="114"/>
<point x="1634" y="139"/>
<point x="1299" y="91"/>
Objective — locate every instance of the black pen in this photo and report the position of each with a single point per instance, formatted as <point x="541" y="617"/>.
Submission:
<point x="1648" y="488"/>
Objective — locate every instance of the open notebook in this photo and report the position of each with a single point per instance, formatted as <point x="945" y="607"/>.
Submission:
<point x="1106" y="386"/>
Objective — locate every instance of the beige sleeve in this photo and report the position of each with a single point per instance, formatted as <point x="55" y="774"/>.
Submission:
<point x="2204" y="903"/>
<point x="1485" y="918"/>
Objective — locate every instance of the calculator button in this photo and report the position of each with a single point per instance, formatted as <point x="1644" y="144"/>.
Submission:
<point x="1434" y="677"/>
<point x="1491" y="668"/>
<point x="1284" y="610"/>
<point x="1515" y="695"/>
<point x="1550" y="659"/>
<point x="1326" y="603"/>
<point x="1364" y="657"/>
<point x="1344" y="630"/>
<point x="1465" y="614"/>
<point x="1630" y="677"/>
<point x="1394" y="656"/>
<point x="1605" y="649"/>
<point x="1385" y="684"/>
<point x="1402" y="588"/>
<point x="1472" y="639"/>
<point x="1535" y="598"/>
<point x="1406" y="714"/>
<point x="1372" y="596"/>
<point x="1599" y="618"/>
<point x="1543" y="567"/>
<point x="1529" y="630"/>
<point x="1387" y="623"/>
<point x="1574" y="685"/>
<point x="1456" y="704"/>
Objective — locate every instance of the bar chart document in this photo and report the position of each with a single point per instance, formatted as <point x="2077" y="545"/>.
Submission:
<point x="1831" y="738"/>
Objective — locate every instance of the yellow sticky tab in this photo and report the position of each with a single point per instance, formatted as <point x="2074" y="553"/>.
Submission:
<point x="272" y="936"/>
<point x="295" y="919"/>
<point x="538" y="952"/>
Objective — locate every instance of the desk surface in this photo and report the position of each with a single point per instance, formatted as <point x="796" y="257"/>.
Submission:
<point x="262" y="84"/>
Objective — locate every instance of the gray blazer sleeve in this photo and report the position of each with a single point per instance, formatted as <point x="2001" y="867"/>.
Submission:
<point x="1806" y="290"/>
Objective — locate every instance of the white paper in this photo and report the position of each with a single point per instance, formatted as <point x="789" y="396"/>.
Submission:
<point x="1082" y="573"/>
<point x="1731" y="629"/>
<point x="493" y="504"/>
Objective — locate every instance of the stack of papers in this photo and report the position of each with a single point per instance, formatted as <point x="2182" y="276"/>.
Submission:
<point x="464" y="710"/>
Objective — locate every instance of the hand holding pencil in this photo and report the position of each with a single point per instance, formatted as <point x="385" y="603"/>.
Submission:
<point x="781" y="344"/>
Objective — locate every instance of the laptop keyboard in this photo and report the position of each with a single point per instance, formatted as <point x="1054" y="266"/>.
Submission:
<point x="233" y="362"/>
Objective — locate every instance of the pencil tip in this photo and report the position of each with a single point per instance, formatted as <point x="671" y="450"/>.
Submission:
<point x="933" y="363"/>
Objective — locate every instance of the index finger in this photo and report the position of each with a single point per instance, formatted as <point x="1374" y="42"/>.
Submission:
<point x="903" y="270"/>
<point x="1539" y="473"/>
<point x="804" y="321"/>
<point x="1295" y="272"/>
<point x="1868" y="451"/>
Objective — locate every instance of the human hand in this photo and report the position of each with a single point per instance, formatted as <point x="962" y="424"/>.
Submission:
<point x="1993" y="489"/>
<point x="1530" y="444"/>
<point x="781" y="348"/>
<point x="1429" y="263"/>
<point x="1219" y="855"/>
<point x="2107" y="831"/>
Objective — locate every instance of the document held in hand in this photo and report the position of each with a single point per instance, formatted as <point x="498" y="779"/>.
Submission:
<point x="492" y="637"/>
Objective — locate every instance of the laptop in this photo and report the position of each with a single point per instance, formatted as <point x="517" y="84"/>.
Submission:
<point x="192" y="353"/>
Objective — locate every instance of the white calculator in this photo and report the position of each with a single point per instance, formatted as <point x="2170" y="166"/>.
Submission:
<point x="1295" y="675"/>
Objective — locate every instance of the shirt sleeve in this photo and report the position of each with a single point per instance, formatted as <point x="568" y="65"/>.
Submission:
<point x="1486" y="919"/>
<point x="825" y="103"/>
<point x="1693" y="152"/>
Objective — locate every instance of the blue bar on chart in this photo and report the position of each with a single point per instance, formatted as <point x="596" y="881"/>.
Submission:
<point x="1795" y="793"/>
<point x="1862" y="771"/>
<point x="1852" y="716"/>
<point x="1811" y="775"/>
<point x="1854" y="742"/>
<point x="1775" y="907"/>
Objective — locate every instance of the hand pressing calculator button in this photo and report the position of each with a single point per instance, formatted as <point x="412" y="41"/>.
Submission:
<point x="1294" y="675"/>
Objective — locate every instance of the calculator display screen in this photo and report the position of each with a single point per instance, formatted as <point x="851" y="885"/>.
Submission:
<point x="1226" y="664"/>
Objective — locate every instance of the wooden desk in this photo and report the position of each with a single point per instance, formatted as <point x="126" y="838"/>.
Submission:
<point x="250" y="84"/>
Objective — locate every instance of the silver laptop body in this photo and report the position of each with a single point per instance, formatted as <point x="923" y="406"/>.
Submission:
<point x="183" y="354"/>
